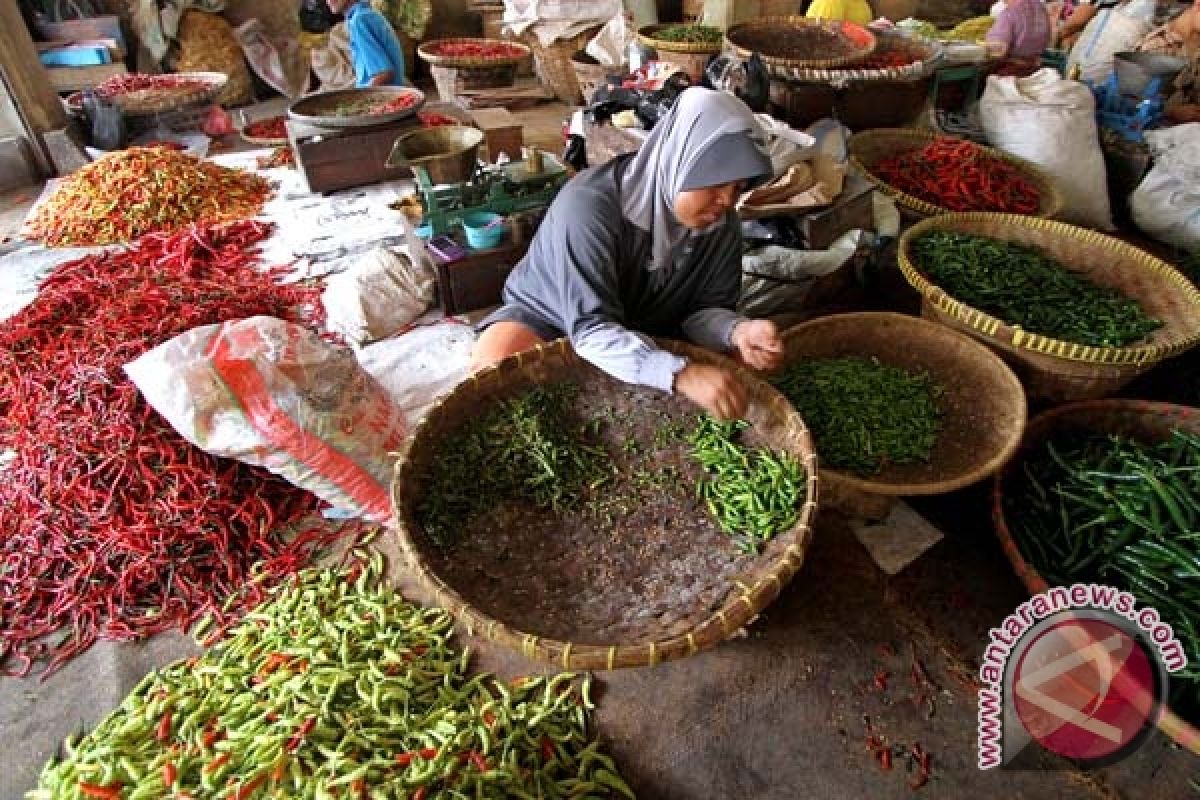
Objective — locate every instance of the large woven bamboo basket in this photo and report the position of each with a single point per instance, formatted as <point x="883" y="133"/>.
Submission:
<point x="982" y="403"/>
<point x="1054" y="370"/>
<point x="923" y="52"/>
<point x="766" y="34"/>
<point x="868" y="148"/>
<point x="708" y="609"/>
<point x="1135" y="419"/>
<point x="691" y="57"/>
<point x="454" y="75"/>
<point x="553" y="64"/>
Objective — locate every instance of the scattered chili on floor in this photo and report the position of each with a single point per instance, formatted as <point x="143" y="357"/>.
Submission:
<point x="112" y="524"/>
<point x="126" y="194"/>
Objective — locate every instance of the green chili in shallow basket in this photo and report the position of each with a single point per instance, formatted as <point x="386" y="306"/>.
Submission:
<point x="1024" y="287"/>
<point x="864" y="415"/>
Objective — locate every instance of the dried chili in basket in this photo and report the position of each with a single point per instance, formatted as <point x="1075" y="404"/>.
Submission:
<point x="111" y="524"/>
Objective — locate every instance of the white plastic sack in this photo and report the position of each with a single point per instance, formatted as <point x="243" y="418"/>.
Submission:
<point x="274" y="394"/>
<point x="1108" y="33"/>
<point x="1166" y="204"/>
<point x="785" y="144"/>
<point x="609" y="46"/>
<point x="1051" y="122"/>
<point x="380" y="294"/>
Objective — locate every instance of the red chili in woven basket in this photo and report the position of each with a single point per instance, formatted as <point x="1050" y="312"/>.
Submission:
<point x="270" y="128"/>
<point x="113" y="525"/>
<point x="959" y="176"/>
<point x="475" y="50"/>
<point x="432" y="119"/>
<point x="887" y="60"/>
<point x="136" y="82"/>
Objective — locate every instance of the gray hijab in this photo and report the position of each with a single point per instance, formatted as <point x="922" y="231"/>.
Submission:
<point x="706" y="139"/>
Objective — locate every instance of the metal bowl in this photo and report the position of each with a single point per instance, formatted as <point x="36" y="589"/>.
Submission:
<point x="320" y="109"/>
<point x="448" y="152"/>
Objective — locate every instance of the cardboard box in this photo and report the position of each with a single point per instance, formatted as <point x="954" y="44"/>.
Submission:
<point x="502" y="132"/>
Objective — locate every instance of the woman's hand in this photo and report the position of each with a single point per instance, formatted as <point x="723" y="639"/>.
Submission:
<point x="756" y="344"/>
<point x="715" y="390"/>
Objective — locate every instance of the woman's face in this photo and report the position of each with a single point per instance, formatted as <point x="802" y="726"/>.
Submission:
<point x="700" y="208"/>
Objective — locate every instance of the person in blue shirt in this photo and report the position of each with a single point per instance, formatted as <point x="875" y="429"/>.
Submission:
<point x="374" y="48"/>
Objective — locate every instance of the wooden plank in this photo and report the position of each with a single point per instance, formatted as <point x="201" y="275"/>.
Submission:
<point x="71" y="79"/>
<point x="26" y="77"/>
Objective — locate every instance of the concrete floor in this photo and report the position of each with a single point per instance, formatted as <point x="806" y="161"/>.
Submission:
<point x="783" y="712"/>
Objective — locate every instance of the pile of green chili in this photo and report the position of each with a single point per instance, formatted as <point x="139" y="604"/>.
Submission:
<point x="1026" y="288"/>
<point x="691" y="34"/>
<point x="1096" y="507"/>
<point x="338" y="688"/>
<point x="752" y="493"/>
<point x="530" y="447"/>
<point x="864" y="415"/>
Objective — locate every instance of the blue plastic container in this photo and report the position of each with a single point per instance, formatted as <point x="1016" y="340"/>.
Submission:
<point x="424" y="231"/>
<point x="479" y="235"/>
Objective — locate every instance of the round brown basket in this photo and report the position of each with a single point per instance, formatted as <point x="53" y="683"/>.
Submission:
<point x="654" y="589"/>
<point x="329" y="109"/>
<point x="1054" y="370"/>
<point x="982" y="402"/>
<point x="923" y="52"/>
<point x="553" y="64"/>
<point x="591" y="75"/>
<point x="453" y="81"/>
<point x="691" y="57"/>
<point x="146" y="102"/>
<point x="1135" y="419"/>
<point x="428" y="53"/>
<point x="868" y="148"/>
<point x="775" y="40"/>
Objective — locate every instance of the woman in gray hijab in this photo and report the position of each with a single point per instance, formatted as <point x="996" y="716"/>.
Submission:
<point x="649" y="243"/>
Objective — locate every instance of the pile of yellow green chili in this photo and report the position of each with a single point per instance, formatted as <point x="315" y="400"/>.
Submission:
<point x="125" y="194"/>
<point x="338" y="687"/>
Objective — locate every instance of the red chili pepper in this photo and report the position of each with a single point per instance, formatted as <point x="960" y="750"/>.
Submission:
<point x="278" y="770"/>
<point x="404" y="759"/>
<point x="217" y="762"/>
<point x="420" y="793"/>
<point x="881" y="680"/>
<point x="247" y="789"/>
<point x="489" y="719"/>
<point x="885" y="759"/>
<point x="168" y="774"/>
<point x="959" y="176"/>
<point x="479" y="761"/>
<point x="110" y="792"/>
<point x="428" y="753"/>
<point x="163" y="732"/>
<point x="270" y="128"/>
<point x="549" y="753"/>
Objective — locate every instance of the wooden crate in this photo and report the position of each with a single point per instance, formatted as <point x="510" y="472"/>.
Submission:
<point x="502" y="133"/>
<point x="476" y="281"/>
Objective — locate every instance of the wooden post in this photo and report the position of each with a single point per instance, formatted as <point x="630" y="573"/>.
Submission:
<point x="37" y="103"/>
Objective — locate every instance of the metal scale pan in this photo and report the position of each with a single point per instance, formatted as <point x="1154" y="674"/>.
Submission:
<point x="321" y="110"/>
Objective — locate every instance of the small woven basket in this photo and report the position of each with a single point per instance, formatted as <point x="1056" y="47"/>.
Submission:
<point x="1054" y="370"/>
<point x="554" y="67"/>
<point x="691" y="57"/>
<point x="766" y="34"/>
<point x="982" y="403"/>
<point x="868" y="148"/>
<point x="591" y="75"/>
<point x="1135" y="419"/>
<point x="455" y="74"/>
<point x="697" y="618"/>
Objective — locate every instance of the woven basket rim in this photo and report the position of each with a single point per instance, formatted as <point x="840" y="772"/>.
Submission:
<point x="928" y="329"/>
<point x="1050" y="196"/>
<point x="995" y="329"/>
<point x="645" y="36"/>
<point x="930" y="49"/>
<point x="424" y="51"/>
<point x="742" y="604"/>
<point x="1037" y="431"/>
<point x="797" y="21"/>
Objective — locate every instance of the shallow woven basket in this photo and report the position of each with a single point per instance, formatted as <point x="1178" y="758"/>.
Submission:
<point x="145" y="102"/>
<point x="983" y="404"/>
<point x="868" y="148"/>
<point x="748" y="37"/>
<point x="553" y="64"/>
<point x="739" y="599"/>
<point x="1054" y="370"/>
<point x="691" y="57"/>
<point x="1136" y="419"/>
<point x="591" y="75"/>
<point x="427" y="54"/>
<point x="926" y="53"/>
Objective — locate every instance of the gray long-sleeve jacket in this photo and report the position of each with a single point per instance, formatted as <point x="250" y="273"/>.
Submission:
<point x="586" y="276"/>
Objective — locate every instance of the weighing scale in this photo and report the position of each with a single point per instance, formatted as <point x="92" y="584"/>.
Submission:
<point x="1133" y="98"/>
<point x="503" y="189"/>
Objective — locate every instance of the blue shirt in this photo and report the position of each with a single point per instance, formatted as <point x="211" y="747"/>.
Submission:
<point x="374" y="47"/>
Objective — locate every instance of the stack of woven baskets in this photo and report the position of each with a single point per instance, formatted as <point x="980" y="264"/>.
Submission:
<point x="454" y="74"/>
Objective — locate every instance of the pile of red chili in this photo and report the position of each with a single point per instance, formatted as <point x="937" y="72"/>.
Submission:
<point x="131" y="192"/>
<point x="889" y="59"/>
<point x="432" y="119"/>
<point x="958" y="175"/>
<point x="112" y="524"/>
<point x="138" y="82"/>
<point x="480" y="49"/>
<point x="270" y="128"/>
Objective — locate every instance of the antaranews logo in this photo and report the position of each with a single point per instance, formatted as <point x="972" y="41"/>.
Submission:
<point x="1080" y="670"/>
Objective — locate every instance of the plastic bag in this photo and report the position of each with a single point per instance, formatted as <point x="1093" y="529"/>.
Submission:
<point x="746" y="79"/>
<point x="380" y="294"/>
<point x="106" y="120"/>
<point x="1106" y="34"/>
<point x="275" y="395"/>
<point x="575" y="153"/>
<point x="1166" y="204"/>
<point x="315" y="16"/>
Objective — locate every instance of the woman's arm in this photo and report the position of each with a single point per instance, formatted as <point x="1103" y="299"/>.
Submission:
<point x="1078" y="20"/>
